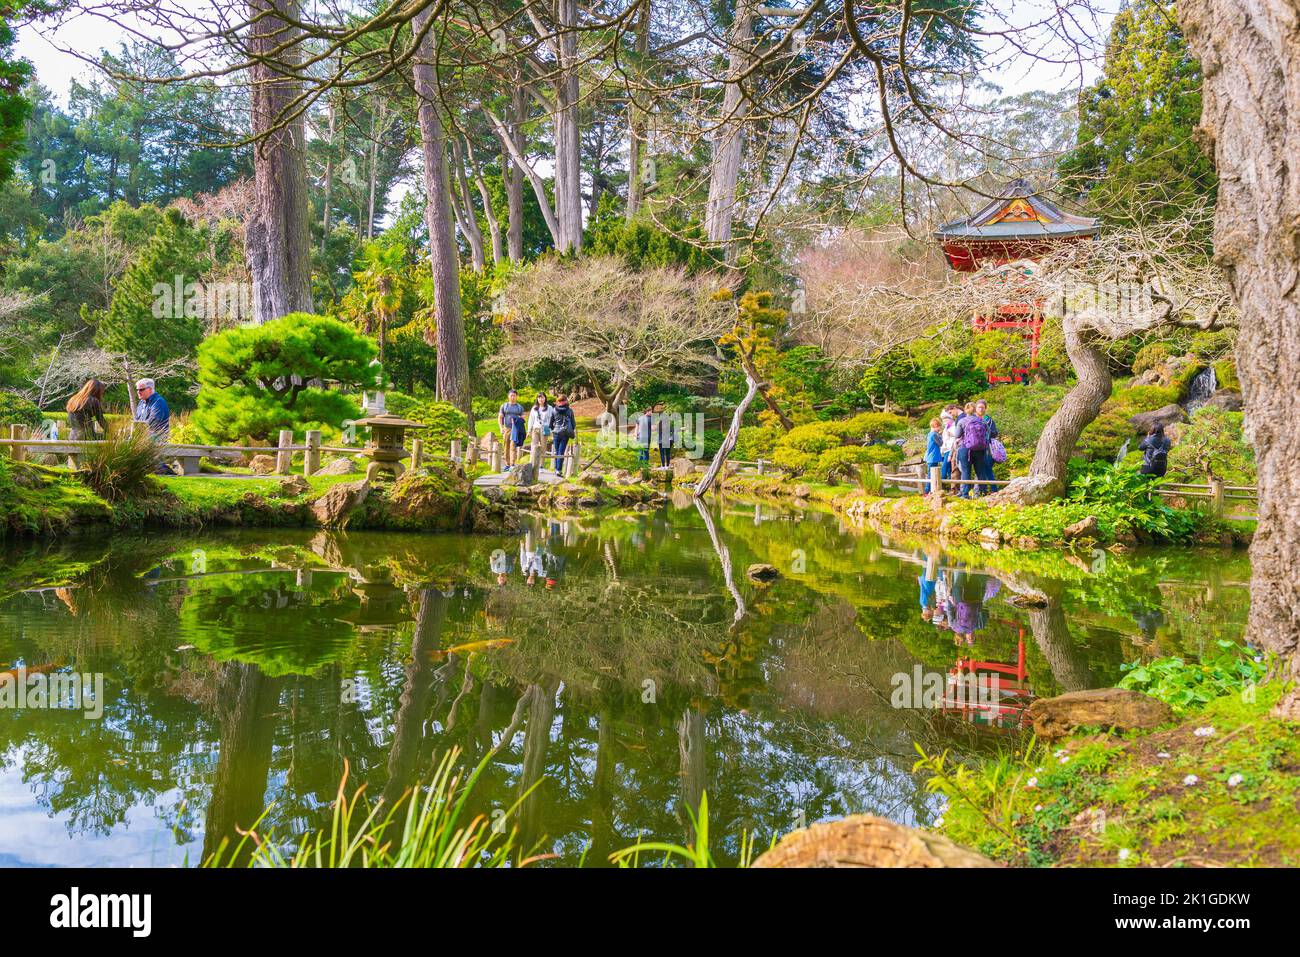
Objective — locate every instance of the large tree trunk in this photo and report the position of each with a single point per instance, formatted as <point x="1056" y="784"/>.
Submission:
<point x="1082" y="404"/>
<point x="513" y="174"/>
<point x="568" y="142"/>
<point x="1250" y="56"/>
<point x="729" y="138"/>
<point x="277" y="237"/>
<point x="636" y="121"/>
<point x="453" y="359"/>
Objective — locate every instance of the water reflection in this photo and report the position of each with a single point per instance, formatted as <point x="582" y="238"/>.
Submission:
<point x="612" y="670"/>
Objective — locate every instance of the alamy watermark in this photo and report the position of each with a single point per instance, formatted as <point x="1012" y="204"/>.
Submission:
<point x="214" y="300"/>
<point x="678" y="430"/>
<point x="22" y="689"/>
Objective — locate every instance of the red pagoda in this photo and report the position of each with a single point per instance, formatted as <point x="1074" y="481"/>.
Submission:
<point x="1012" y="232"/>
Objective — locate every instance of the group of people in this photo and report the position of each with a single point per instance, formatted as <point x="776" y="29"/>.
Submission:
<point x="964" y="440"/>
<point x="86" y="411"/>
<point x="655" y="431"/>
<point x="556" y="424"/>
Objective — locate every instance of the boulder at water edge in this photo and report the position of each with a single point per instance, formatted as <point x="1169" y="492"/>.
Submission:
<point x="332" y="508"/>
<point x="1117" y="708"/>
<point x="864" y="840"/>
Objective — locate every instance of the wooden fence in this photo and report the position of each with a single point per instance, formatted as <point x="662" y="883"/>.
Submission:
<point x="1221" y="497"/>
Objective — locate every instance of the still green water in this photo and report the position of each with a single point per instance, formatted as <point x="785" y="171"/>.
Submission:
<point x="614" y="662"/>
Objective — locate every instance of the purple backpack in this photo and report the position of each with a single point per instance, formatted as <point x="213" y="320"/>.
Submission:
<point x="974" y="434"/>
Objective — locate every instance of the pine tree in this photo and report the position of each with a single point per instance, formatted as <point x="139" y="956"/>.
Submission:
<point x="147" y="320"/>
<point x="1136" y="159"/>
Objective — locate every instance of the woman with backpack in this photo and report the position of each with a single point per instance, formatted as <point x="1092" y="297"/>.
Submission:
<point x="1155" y="452"/>
<point x="995" y="452"/>
<point x="972" y="446"/>
<point x="563" y="428"/>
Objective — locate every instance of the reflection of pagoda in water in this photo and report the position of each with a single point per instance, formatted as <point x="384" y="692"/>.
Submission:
<point x="383" y="604"/>
<point x="990" y="693"/>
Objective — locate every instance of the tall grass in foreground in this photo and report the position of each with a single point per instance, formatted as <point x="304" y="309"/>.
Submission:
<point x="695" y="854"/>
<point x="121" y="466"/>
<point x="425" y="827"/>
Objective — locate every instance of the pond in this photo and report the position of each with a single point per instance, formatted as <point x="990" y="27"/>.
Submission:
<point x="614" y="667"/>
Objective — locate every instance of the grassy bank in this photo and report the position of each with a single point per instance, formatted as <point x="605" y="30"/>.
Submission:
<point x="1219" y="787"/>
<point x="981" y="521"/>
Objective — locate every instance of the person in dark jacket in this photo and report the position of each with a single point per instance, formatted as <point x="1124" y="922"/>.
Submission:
<point x="563" y="428"/>
<point x="152" y="410"/>
<point x="1155" y="452"/>
<point x="85" y="409"/>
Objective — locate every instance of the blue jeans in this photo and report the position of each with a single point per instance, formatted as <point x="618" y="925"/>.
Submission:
<point x="971" y="463"/>
<point x="561" y="444"/>
<point x="643" y="454"/>
<point x="985" y="469"/>
<point x="665" y="454"/>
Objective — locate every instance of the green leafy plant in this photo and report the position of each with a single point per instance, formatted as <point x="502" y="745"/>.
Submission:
<point x="1226" y="668"/>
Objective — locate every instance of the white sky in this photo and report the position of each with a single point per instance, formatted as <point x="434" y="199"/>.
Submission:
<point x="88" y="35"/>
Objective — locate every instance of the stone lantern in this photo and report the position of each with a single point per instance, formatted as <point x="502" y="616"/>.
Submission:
<point x="386" y="445"/>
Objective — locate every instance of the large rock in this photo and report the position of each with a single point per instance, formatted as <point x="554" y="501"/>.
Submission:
<point x="864" y="840"/>
<point x="1166" y="416"/>
<point x="1116" y="708"/>
<point x="762" y="573"/>
<point x="293" y="486"/>
<point x="345" y="466"/>
<point x="1229" y="399"/>
<point x="1083" y="528"/>
<point x="521" y="474"/>
<point x="333" y="508"/>
<point x="262" y="464"/>
<point x="682" y="467"/>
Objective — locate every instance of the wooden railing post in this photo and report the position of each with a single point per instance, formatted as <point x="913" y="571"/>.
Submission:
<point x="311" y="461"/>
<point x="760" y="470"/>
<point x="494" y="452"/>
<point x="1216" y="495"/>
<point x="570" y="466"/>
<point x="417" y="453"/>
<point x="535" y="450"/>
<point x="455" y="451"/>
<point x="879" y="469"/>
<point x="936" y="483"/>
<point x="471" y="455"/>
<point x="18" y="433"/>
<point x="283" y="459"/>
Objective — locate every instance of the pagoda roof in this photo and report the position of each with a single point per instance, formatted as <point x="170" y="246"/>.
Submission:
<point x="1018" y="212"/>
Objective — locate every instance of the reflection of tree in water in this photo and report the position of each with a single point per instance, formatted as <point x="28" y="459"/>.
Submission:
<point x="782" y="713"/>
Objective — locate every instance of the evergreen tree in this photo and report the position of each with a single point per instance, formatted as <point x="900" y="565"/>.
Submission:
<point x="1136" y="159"/>
<point x="157" y="311"/>
<point x="14" y="107"/>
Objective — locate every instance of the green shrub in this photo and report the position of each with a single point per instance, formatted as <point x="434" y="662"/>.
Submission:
<point x="876" y="425"/>
<point x="445" y="422"/>
<point x="813" y="438"/>
<point x="849" y="462"/>
<point x="15" y="410"/>
<point x="1151" y="355"/>
<point x="254" y="379"/>
<point x="1129" y="495"/>
<point x="1213" y="441"/>
<point x="793" y="460"/>
<point x="757" y="441"/>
